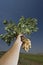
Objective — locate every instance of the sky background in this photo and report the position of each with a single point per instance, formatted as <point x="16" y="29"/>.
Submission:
<point x="14" y="9"/>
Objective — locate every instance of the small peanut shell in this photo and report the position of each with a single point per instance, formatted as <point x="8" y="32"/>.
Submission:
<point x="26" y="44"/>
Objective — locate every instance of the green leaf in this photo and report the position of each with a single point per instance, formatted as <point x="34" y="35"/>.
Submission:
<point x="1" y="35"/>
<point x="5" y="22"/>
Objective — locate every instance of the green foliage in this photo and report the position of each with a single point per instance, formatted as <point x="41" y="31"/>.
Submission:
<point x="27" y="25"/>
<point x="24" y="26"/>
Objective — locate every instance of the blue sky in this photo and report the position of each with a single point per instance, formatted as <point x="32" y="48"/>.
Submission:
<point x="14" y="9"/>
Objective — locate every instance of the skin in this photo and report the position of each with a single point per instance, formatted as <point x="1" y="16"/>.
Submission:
<point x="12" y="56"/>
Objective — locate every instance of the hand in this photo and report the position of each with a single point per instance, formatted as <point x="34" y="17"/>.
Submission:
<point x="19" y="38"/>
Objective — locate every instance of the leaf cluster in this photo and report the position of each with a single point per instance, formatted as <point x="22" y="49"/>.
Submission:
<point x="24" y="26"/>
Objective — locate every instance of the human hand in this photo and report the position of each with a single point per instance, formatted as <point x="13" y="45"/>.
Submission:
<point x="19" y="38"/>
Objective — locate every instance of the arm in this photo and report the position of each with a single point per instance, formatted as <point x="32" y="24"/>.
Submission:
<point x="12" y="56"/>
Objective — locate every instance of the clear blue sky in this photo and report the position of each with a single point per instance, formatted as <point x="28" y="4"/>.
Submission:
<point x="14" y="9"/>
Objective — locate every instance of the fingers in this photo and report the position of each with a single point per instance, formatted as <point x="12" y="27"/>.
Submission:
<point x="20" y="35"/>
<point x="18" y="40"/>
